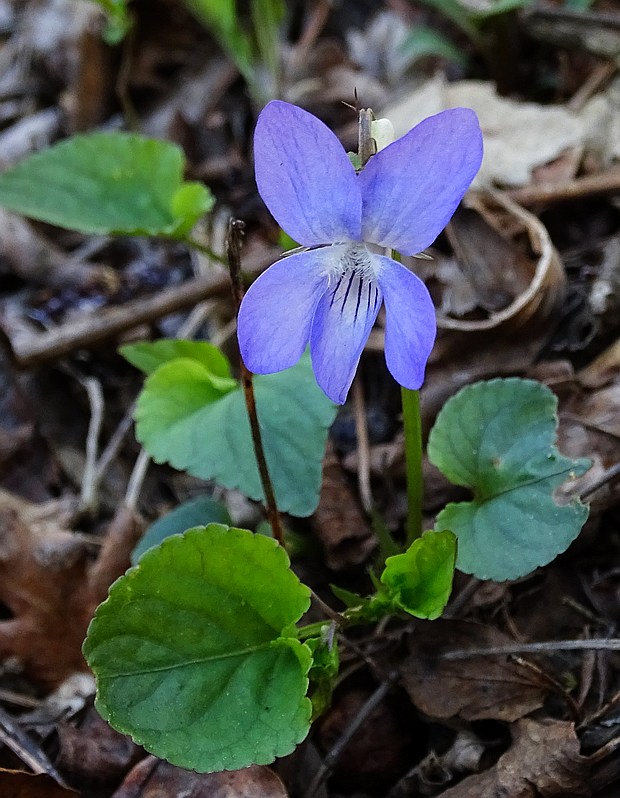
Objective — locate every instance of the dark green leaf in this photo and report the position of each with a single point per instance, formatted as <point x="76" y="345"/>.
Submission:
<point x="497" y="438"/>
<point x="194" y="651"/>
<point x="184" y="419"/>
<point x="107" y="183"/>
<point x="196" y="512"/>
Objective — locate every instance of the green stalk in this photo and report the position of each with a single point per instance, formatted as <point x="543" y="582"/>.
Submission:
<point x="413" y="461"/>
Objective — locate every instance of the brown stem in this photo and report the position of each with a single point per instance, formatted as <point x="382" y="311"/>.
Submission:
<point x="233" y="253"/>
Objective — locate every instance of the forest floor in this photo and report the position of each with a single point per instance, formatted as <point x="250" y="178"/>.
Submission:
<point x="526" y="282"/>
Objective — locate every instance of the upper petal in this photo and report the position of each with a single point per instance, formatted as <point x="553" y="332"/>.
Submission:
<point x="342" y="323"/>
<point x="411" y="188"/>
<point x="276" y="313"/>
<point x="410" y="325"/>
<point x="305" y="177"/>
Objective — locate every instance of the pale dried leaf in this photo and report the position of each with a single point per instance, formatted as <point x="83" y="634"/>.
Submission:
<point x="543" y="762"/>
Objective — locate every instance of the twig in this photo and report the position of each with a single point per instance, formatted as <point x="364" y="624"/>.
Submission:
<point x="136" y="479"/>
<point x="88" y="492"/>
<point x="111" y="322"/>
<point x="580" y="187"/>
<point x="233" y="251"/>
<point x="361" y="717"/>
<point x="25" y="748"/>
<point x="608" y="476"/>
<point x="548" y="647"/>
<point x="318" y="17"/>
<point x="459" y="601"/>
<point x="112" y="449"/>
<point x="363" y="445"/>
<point x="555" y="686"/>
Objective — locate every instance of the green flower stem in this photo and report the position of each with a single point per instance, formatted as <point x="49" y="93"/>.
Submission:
<point x="204" y="250"/>
<point x="413" y="460"/>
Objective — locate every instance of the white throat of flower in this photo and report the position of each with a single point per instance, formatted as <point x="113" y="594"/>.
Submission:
<point x="351" y="272"/>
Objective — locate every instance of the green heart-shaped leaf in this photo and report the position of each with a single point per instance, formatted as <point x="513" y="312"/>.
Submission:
<point x="107" y="183"/>
<point x="497" y="438"/>
<point x="183" y="417"/>
<point x="193" y="651"/>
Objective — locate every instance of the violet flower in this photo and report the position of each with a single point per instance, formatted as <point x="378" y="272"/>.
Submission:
<point x="330" y="294"/>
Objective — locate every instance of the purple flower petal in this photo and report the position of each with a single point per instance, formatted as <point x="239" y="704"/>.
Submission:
<point x="342" y="324"/>
<point x="411" y="188"/>
<point x="276" y="314"/>
<point x="410" y="325"/>
<point x="305" y="177"/>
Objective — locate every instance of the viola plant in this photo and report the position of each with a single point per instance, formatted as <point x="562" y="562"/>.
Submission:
<point x="330" y="294"/>
<point x="201" y="652"/>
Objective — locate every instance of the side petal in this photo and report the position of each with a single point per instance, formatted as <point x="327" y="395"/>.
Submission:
<point x="410" y="325"/>
<point x="276" y="313"/>
<point x="342" y="324"/>
<point x="305" y="177"/>
<point x="411" y="188"/>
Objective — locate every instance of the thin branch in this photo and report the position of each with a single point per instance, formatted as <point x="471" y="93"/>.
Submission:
<point x="233" y="251"/>
<point x="608" y="476"/>
<point x="88" y="493"/>
<point x="601" y="183"/>
<point x="136" y="479"/>
<point x="548" y="647"/>
<point x="345" y="738"/>
<point x="110" y="453"/>
<point x="363" y="445"/>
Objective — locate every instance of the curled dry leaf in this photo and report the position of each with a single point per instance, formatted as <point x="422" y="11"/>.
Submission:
<point x="472" y="689"/>
<point x="532" y="287"/>
<point x="152" y="778"/>
<point x="543" y="762"/>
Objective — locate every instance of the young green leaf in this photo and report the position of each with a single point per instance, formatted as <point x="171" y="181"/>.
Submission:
<point x="222" y="19"/>
<point x="196" y="512"/>
<point x="184" y="419"/>
<point x="193" y="654"/>
<point x="422" y="42"/>
<point x="419" y="581"/>
<point x="148" y="356"/>
<point x="324" y="670"/>
<point x="107" y="183"/>
<point x="119" y="20"/>
<point x="497" y="438"/>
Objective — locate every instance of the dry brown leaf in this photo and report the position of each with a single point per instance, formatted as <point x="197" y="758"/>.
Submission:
<point x="94" y="752"/>
<point x="338" y="521"/>
<point x="17" y="784"/>
<point x="543" y="761"/>
<point x="473" y="689"/>
<point x="152" y="778"/>
<point x="50" y="588"/>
